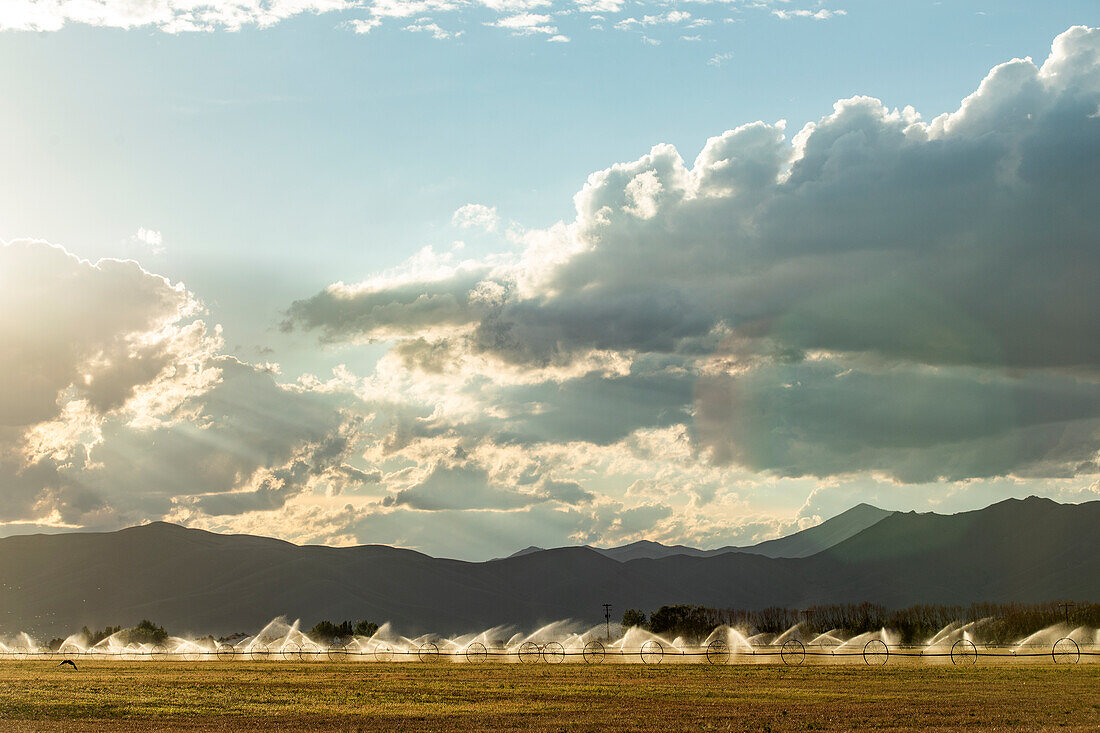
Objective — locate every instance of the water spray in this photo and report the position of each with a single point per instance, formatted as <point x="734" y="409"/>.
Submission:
<point x="565" y="642"/>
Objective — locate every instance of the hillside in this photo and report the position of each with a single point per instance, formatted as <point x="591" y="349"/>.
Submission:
<point x="195" y="581"/>
<point x="799" y="544"/>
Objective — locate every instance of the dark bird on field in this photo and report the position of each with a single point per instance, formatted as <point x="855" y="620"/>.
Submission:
<point x="69" y="662"/>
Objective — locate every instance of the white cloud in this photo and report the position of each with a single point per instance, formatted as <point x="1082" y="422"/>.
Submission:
<point x="525" y="24"/>
<point x="434" y="29"/>
<point x="820" y="14"/>
<point x="150" y="238"/>
<point x="519" y="17"/>
<point x="170" y="16"/>
<point x="411" y="8"/>
<point x="477" y="216"/>
<point x="514" y="6"/>
<point x="363" y="26"/>
<point x="719" y="59"/>
<point x="672" y="17"/>
<point x="599" y="6"/>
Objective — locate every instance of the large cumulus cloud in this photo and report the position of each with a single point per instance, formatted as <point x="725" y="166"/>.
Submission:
<point x="118" y="405"/>
<point x="877" y="293"/>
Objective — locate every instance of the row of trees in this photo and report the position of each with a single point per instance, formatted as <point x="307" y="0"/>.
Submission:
<point x="148" y="632"/>
<point x="998" y="623"/>
<point x="327" y="631"/>
<point x="145" y="632"/>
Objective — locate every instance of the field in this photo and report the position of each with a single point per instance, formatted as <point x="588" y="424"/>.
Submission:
<point x="450" y="697"/>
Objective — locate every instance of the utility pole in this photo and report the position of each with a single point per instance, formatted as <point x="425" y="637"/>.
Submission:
<point x="1067" y="606"/>
<point x="607" y="618"/>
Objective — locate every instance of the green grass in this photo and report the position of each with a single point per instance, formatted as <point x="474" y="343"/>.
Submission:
<point x="573" y="697"/>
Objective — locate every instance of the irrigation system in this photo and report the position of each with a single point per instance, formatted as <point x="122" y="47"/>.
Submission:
<point x="553" y="644"/>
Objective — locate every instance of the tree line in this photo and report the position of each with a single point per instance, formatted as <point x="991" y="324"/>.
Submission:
<point x="145" y="632"/>
<point x="1001" y="623"/>
<point x="328" y="632"/>
<point x="150" y="633"/>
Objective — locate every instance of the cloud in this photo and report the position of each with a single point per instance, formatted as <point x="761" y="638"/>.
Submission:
<point x="820" y="14"/>
<point x="95" y="332"/>
<point x="150" y="238"/>
<point x="467" y="485"/>
<point x="599" y="6"/>
<point x="362" y="26"/>
<point x="170" y="16"/>
<point x="361" y="17"/>
<point x="513" y="6"/>
<point x="928" y="284"/>
<point x="670" y="18"/>
<point x="476" y="216"/>
<point x="459" y="487"/>
<point x="874" y="308"/>
<point x="118" y="405"/>
<point x="526" y="24"/>
<point x="434" y="29"/>
<point x="915" y="424"/>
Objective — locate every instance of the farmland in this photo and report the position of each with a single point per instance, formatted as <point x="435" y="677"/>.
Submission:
<point x="136" y="696"/>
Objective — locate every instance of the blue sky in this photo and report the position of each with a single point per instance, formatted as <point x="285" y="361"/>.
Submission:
<point x="265" y="164"/>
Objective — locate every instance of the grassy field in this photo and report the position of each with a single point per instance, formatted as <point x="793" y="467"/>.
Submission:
<point x="451" y="697"/>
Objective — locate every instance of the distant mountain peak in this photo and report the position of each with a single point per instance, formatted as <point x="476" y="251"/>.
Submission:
<point x="1023" y="550"/>
<point x="527" y="551"/>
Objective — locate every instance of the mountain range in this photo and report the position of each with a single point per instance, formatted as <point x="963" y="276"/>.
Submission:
<point x="800" y="544"/>
<point x="192" y="581"/>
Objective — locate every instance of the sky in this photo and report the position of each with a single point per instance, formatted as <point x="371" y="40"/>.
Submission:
<point x="466" y="276"/>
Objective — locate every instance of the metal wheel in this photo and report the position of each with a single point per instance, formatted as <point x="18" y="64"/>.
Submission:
<point x="259" y="652"/>
<point x="226" y="652"/>
<point x="652" y="652"/>
<point x="429" y="652"/>
<point x="337" y="653"/>
<point x="718" y="652"/>
<point x="290" y="651"/>
<point x="311" y="653"/>
<point x="475" y="652"/>
<point x="963" y="652"/>
<point x="793" y="653"/>
<point x="1065" y="651"/>
<point x="383" y="652"/>
<point x="875" y="653"/>
<point x="529" y="652"/>
<point x="594" y="652"/>
<point x="553" y="653"/>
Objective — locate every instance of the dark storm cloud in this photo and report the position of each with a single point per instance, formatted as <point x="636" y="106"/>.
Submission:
<point x="915" y="423"/>
<point x="340" y="312"/>
<point x="939" y="268"/>
<point x="984" y="215"/>
<point x="595" y="409"/>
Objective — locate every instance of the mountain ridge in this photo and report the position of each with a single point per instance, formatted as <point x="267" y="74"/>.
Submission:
<point x="797" y="544"/>
<point x="192" y="581"/>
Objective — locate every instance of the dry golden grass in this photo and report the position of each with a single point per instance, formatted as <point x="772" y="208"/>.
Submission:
<point x="573" y="697"/>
